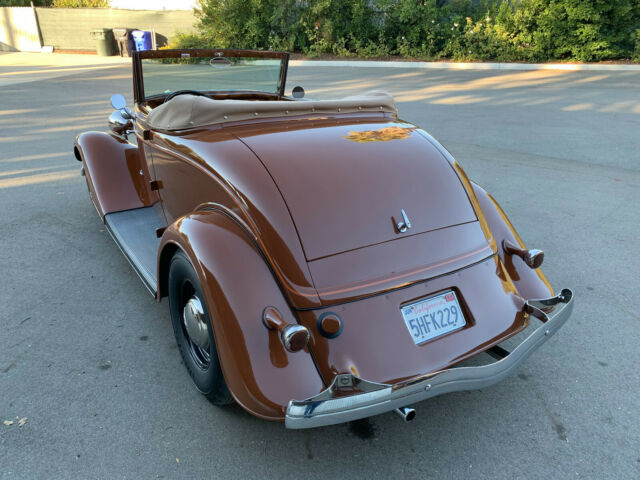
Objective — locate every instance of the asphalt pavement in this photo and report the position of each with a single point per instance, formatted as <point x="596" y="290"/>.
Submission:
<point x="88" y="361"/>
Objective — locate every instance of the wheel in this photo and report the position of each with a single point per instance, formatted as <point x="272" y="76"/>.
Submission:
<point x="194" y="335"/>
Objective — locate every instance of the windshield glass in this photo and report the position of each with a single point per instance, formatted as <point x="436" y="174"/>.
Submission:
<point x="162" y="76"/>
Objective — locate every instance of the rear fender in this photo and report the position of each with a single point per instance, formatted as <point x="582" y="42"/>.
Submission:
<point x="531" y="283"/>
<point x="116" y="174"/>
<point x="238" y="284"/>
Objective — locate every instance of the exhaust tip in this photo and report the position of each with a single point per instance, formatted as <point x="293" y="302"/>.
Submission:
<point x="406" y="413"/>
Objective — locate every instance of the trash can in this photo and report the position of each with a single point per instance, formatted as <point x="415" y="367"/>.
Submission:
<point x="141" y="39"/>
<point x="104" y="41"/>
<point x="124" y="40"/>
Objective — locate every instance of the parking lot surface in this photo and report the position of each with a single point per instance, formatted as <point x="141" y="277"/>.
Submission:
<point x="89" y="359"/>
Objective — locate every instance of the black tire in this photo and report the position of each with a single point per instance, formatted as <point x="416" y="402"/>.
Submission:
<point x="202" y="363"/>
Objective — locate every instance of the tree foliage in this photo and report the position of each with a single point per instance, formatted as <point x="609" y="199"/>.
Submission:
<point x="508" y="30"/>
<point x="80" y="3"/>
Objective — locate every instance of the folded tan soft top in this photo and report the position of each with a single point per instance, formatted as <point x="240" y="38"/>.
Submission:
<point x="191" y="111"/>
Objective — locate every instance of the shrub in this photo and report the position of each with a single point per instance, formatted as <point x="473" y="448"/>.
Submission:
<point x="585" y="30"/>
<point x="80" y="3"/>
<point x="508" y="30"/>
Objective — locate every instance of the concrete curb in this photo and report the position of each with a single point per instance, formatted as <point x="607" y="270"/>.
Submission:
<point x="29" y="58"/>
<point x="467" y="66"/>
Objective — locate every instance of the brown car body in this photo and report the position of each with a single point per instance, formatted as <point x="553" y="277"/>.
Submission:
<point x="299" y="214"/>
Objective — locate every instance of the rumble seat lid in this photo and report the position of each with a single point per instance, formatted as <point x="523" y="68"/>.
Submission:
<point x="190" y="111"/>
<point x="347" y="183"/>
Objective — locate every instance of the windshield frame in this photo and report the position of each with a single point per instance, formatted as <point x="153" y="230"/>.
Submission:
<point x="138" y="83"/>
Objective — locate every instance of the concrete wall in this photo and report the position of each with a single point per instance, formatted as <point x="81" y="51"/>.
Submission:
<point x="68" y="28"/>
<point x="18" y="30"/>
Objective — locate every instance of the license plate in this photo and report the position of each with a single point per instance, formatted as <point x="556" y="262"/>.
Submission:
<point x="432" y="317"/>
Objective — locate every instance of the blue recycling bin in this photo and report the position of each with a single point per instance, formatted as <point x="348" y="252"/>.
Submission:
<point x="142" y="40"/>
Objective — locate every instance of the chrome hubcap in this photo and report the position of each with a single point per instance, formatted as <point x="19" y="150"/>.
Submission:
<point x="195" y="323"/>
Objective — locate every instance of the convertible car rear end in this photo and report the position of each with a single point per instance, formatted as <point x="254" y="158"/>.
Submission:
<point x="324" y="260"/>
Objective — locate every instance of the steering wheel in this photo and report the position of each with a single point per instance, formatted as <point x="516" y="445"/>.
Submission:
<point x="183" y="92"/>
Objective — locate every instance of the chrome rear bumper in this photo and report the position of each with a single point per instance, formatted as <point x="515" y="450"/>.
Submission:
<point x="350" y="398"/>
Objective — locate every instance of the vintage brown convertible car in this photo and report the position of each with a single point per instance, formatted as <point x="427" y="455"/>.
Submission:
<point x="324" y="260"/>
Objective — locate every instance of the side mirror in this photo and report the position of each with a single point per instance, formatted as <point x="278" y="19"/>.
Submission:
<point x="120" y="121"/>
<point x="118" y="101"/>
<point x="297" y="92"/>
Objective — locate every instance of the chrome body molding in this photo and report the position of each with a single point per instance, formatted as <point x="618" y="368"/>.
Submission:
<point x="360" y="398"/>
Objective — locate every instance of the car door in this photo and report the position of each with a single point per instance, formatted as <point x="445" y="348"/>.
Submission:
<point x="147" y="170"/>
<point x="182" y="183"/>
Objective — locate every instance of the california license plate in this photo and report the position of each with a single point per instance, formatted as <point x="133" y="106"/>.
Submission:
<point x="432" y="317"/>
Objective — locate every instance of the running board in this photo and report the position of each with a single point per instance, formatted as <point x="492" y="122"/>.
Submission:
<point x="134" y="231"/>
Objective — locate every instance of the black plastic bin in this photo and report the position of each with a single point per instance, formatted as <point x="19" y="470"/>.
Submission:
<point x="104" y="41"/>
<point x="124" y="40"/>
